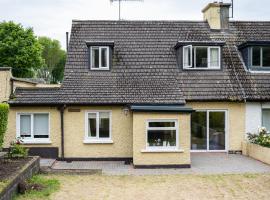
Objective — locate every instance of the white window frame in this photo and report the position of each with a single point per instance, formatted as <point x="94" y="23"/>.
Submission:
<point x="176" y="128"/>
<point x="190" y="51"/>
<point x="261" y="57"/>
<point x="91" y="58"/>
<point x="193" y="59"/>
<point x="97" y="139"/>
<point x="207" y="131"/>
<point x="31" y="139"/>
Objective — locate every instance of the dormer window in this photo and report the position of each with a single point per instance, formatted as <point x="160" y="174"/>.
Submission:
<point x="260" y="56"/>
<point x="99" y="57"/>
<point x="201" y="57"/>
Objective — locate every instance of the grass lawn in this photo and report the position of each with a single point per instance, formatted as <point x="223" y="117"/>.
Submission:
<point x="95" y="187"/>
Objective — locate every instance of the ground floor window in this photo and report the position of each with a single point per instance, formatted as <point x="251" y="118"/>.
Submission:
<point x="208" y="130"/>
<point x="98" y="125"/>
<point x="33" y="125"/>
<point x="162" y="134"/>
<point x="266" y="119"/>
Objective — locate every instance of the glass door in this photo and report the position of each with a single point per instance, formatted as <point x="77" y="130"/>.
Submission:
<point x="208" y="131"/>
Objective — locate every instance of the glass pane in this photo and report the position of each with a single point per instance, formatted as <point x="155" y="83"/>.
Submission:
<point x="216" y="130"/>
<point x="256" y="56"/>
<point x="199" y="131"/>
<point x="187" y="56"/>
<point x="161" y="124"/>
<point x="266" y="56"/>
<point x="25" y="125"/>
<point x="92" y="129"/>
<point x="104" y="125"/>
<point x="104" y="57"/>
<point x="95" y="57"/>
<point x="266" y="119"/>
<point x="41" y="125"/>
<point x="201" y="57"/>
<point x="214" y="57"/>
<point x="161" y="138"/>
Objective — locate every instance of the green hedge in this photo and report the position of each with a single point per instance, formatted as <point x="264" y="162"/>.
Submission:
<point x="4" y="108"/>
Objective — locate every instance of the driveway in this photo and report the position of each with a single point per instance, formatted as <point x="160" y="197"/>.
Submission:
<point x="202" y="163"/>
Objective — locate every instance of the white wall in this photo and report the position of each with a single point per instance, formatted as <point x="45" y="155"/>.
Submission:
<point x="253" y="117"/>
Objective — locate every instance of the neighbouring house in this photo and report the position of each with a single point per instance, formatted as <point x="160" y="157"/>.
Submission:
<point x="151" y="91"/>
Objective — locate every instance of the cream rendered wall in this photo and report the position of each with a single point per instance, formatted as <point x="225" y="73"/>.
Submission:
<point x="212" y="15"/>
<point x="236" y="120"/>
<point x="5" y="86"/>
<point x="75" y="134"/>
<point x="160" y="158"/>
<point x="54" y="123"/>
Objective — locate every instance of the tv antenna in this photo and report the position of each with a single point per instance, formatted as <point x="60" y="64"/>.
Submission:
<point x="119" y="5"/>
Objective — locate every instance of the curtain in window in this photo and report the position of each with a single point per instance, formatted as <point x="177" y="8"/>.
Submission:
<point x="41" y="123"/>
<point x="266" y="119"/>
<point x="214" y="57"/>
<point x="25" y="125"/>
<point x="92" y="129"/>
<point x="187" y="56"/>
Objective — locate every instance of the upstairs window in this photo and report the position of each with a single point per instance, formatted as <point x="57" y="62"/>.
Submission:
<point x="99" y="58"/>
<point x="260" y="56"/>
<point x="201" y="57"/>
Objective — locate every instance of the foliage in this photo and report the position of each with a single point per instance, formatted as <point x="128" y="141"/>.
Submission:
<point x="19" y="49"/>
<point x="53" y="69"/>
<point x="48" y="186"/>
<point x="263" y="138"/>
<point x="16" y="150"/>
<point x="4" y="109"/>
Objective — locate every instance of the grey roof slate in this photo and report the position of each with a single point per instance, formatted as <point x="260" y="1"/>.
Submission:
<point x="144" y="67"/>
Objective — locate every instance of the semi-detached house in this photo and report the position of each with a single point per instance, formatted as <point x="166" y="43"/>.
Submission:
<point x="151" y="91"/>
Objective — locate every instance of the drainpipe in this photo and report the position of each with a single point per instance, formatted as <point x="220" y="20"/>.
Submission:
<point x="61" y="110"/>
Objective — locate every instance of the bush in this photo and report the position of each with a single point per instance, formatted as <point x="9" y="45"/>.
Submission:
<point x="263" y="138"/>
<point x="16" y="150"/>
<point x="4" y="109"/>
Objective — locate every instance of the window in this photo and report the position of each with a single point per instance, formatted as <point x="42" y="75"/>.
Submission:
<point x="200" y="57"/>
<point x="162" y="134"/>
<point x="99" y="58"/>
<point x="260" y="56"/>
<point x="98" y="125"/>
<point x="33" y="126"/>
<point x="266" y="119"/>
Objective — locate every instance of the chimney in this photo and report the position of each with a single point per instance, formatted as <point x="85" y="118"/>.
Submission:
<point x="217" y="15"/>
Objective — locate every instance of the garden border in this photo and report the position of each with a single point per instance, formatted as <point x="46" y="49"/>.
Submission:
<point x="32" y="167"/>
<point x="257" y="152"/>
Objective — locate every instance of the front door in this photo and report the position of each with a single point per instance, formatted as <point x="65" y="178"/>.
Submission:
<point x="208" y="130"/>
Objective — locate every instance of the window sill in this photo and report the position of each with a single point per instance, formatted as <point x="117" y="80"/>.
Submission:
<point x="89" y="141"/>
<point x="36" y="142"/>
<point x="162" y="151"/>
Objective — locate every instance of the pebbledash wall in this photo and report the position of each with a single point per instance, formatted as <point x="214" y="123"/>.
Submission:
<point x="128" y="132"/>
<point x="54" y="125"/>
<point x="143" y="157"/>
<point x="235" y="120"/>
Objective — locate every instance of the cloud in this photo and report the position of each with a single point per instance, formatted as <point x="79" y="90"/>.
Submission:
<point x="53" y="17"/>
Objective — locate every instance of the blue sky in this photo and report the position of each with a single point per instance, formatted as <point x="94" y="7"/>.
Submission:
<point x="53" y="17"/>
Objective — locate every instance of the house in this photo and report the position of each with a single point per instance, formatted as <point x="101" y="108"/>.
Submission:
<point x="151" y="91"/>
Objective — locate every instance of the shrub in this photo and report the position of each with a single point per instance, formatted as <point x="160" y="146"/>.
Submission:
<point x="16" y="150"/>
<point x="4" y="109"/>
<point x="263" y="138"/>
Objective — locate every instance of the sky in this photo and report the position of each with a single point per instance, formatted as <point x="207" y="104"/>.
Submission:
<point x="53" y="18"/>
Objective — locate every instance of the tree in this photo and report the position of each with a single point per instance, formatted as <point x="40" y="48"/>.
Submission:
<point x="19" y="49"/>
<point x="54" y="57"/>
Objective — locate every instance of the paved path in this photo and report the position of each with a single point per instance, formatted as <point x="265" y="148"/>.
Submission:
<point x="202" y="163"/>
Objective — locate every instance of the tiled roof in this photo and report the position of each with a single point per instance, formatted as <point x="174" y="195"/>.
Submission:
<point x="144" y="67"/>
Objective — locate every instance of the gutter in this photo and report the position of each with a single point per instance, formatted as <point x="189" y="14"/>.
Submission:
<point x="61" y="110"/>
